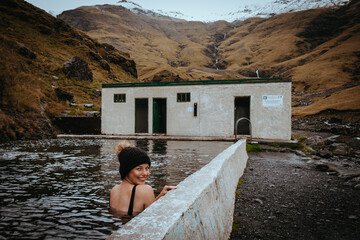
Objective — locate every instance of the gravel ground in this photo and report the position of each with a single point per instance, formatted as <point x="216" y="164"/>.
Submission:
<point x="283" y="196"/>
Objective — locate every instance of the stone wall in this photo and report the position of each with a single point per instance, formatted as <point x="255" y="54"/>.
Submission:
<point x="201" y="208"/>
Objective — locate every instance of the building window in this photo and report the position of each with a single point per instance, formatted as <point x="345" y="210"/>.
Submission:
<point x="183" y="97"/>
<point x="120" y="98"/>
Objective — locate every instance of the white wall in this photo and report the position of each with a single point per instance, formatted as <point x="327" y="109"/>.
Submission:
<point x="215" y="110"/>
<point x="201" y="208"/>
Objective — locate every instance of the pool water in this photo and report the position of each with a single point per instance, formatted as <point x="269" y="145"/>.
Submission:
<point x="59" y="188"/>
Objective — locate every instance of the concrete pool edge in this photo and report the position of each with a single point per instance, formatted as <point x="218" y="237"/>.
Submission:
<point x="201" y="208"/>
<point x="172" y="138"/>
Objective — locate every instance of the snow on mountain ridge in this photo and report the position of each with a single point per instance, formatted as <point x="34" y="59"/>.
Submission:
<point x="137" y="9"/>
<point x="244" y="11"/>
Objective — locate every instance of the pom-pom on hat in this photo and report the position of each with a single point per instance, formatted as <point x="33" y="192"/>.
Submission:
<point x="129" y="158"/>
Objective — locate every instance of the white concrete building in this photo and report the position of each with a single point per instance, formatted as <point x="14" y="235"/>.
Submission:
<point x="199" y="108"/>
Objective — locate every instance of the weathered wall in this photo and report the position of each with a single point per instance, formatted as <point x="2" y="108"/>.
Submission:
<point x="215" y="110"/>
<point x="201" y="208"/>
<point x="79" y="125"/>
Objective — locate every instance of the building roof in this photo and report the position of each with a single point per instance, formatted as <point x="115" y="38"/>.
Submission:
<point x="199" y="82"/>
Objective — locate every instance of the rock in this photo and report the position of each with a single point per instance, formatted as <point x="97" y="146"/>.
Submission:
<point x="300" y="153"/>
<point x="97" y="92"/>
<point x="331" y="139"/>
<point x="322" y="167"/>
<point x="92" y="113"/>
<point x="325" y="153"/>
<point x="126" y="64"/>
<point x="26" y="52"/>
<point x="89" y="105"/>
<point x="77" y="69"/>
<point x="339" y="148"/>
<point x="94" y="56"/>
<point x="314" y="141"/>
<point x="63" y="95"/>
<point x="104" y="64"/>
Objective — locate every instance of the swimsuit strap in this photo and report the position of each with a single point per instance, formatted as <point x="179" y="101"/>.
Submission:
<point x="131" y="205"/>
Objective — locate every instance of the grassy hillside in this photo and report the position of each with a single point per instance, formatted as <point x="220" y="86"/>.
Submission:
<point x="317" y="49"/>
<point x="33" y="49"/>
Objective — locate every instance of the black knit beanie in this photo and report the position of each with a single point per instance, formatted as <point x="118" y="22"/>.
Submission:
<point x="129" y="158"/>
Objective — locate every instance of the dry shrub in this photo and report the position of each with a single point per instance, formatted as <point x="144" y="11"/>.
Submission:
<point x="7" y="126"/>
<point x="54" y="109"/>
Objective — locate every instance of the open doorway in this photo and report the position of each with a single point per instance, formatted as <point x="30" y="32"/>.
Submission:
<point x="159" y="115"/>
<point x="242" y="110"/>
<point x="141" y="115"/>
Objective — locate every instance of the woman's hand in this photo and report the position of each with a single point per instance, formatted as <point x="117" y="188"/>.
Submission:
<point x="165" y="190"/>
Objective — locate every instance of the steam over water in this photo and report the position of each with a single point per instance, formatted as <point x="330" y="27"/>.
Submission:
<point x="60" y="188"/>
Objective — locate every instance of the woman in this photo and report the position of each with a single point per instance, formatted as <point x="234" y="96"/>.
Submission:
<point x="132" y="195"/>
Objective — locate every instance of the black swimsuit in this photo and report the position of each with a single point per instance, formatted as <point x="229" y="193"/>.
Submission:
<point x="131" y="205"/>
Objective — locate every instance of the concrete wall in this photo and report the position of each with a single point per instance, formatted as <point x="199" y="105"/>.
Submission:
<point x="201" y="208"/>
<point x="215" y="109"/>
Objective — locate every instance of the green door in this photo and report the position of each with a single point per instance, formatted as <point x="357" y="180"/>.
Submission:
<point x="159" y="115"/>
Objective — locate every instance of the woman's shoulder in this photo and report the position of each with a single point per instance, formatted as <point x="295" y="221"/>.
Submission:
<point x="144" y="189"/>
<point x="115" y="189"/>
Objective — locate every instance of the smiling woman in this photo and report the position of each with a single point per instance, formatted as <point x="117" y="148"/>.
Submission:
<point x="133" y="195"/>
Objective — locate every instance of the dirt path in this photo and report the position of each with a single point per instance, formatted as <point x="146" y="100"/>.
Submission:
<point x="284" y="197"/>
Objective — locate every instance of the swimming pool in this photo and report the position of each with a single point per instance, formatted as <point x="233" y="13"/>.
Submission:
<point x="59" y="188"/>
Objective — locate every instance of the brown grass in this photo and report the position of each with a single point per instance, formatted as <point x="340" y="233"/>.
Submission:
<point x="317" y="49"/>
<point x="27" y="84"/>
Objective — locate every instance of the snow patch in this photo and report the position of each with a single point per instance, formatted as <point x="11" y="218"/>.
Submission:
<point x="244" y="11"/>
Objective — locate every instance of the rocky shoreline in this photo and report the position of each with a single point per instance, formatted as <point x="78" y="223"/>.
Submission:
<point x="304" y="190"/>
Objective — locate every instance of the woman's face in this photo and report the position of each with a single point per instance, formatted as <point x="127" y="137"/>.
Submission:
<point x="139" y="174"/>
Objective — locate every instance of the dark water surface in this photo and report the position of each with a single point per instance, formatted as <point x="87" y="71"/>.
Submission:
<point x="59" y="188"/>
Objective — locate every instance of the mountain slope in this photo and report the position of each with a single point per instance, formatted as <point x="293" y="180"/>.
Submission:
<point x="34" y="83"/>
<point x="317" y="49"/>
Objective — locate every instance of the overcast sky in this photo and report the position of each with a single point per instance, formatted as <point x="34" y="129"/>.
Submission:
<point x="198" y="9"/>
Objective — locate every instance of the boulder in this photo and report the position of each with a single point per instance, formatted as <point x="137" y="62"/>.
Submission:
<point x="123" y="62"/>
<point x="26" y="52"/>
<point x="324" y="153"/>
<point x="339" y="148"/>
<point x="63" y="95"/>
<point x="77" y="69"/>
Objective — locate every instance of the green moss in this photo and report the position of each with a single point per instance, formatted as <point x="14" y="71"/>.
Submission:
<point x="302" y="139"/>
<point x="235" y="226"/>
<point x="293" y="146"/>
<point x="240" y="182"/>
<point x="252" y="147"/>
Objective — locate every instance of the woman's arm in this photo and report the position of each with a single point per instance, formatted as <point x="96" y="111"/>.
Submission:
<point x="164" y="191"/>
<point x="147" y="194"/>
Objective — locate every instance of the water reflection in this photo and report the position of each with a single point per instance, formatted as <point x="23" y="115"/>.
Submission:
<point x="60" y="188"/>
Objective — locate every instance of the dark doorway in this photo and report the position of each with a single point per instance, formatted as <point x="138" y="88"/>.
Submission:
<point x="159" y="115"/>
<point x="141" y="115"/>
<point x="242" y="110"/>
